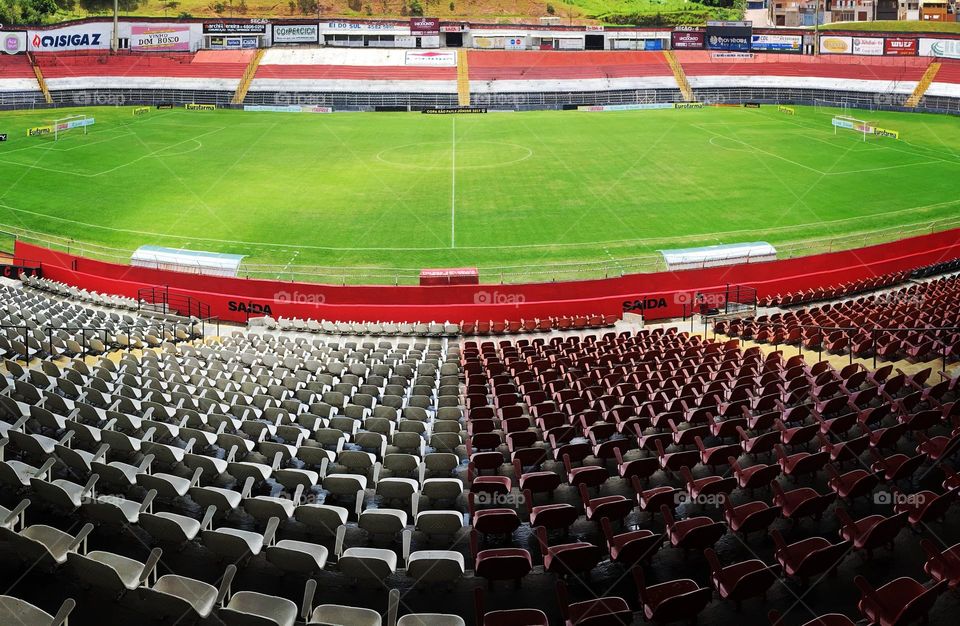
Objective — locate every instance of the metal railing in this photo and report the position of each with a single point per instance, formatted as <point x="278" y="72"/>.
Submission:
<point x="170" y="303"/>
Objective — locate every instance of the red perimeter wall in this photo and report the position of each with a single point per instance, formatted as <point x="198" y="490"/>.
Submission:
<point x="662" y="294"/>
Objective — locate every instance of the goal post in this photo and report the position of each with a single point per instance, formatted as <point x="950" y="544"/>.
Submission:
<point x="71" y="122"/>
<point x="846" y="122"/>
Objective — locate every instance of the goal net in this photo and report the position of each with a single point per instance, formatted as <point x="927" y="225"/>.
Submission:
<point x="845" y="122"/>
<point x="69" y="123"/>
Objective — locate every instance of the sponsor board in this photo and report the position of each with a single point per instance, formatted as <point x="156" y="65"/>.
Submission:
<point x="688" y="105"/>
<point x="867" y="46"/>
<point x="453" y="28"/>
<point x="787" y="110"/>
<point x="424" y="26"/>
<point x="627" y="107"/>
<point x="839" y="123"/>
<point x="452" y="110"/>
<point x="357" y="26"/>
<point x="751" y="105"/>
<point x="900" y="46"/>
<point x="141" y="111"/>
<point x="836" y="45"/>
<point x="288" y="108"/>
<point x="13" y="41"/>
<point x="886" y="132"/>
<point x="777" y="43"/>
<point x="82" y="37"/>
<point x="165" y="105"/>
<point x="296" y="33"/>
<point x="159" y="38"/>
<point x="234" y="28"/>
<point x="192" y="106"/>
<point x="444" y="58"/>
<point x="39" y="131"/>
<point x="687" y="40"/>
<point x="943" y="48"/>
<point x="729" y="35"/>
<point x="731" y="55"/>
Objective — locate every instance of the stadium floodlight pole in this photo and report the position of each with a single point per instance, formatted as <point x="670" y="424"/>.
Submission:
<point x="816" y="27"/>
<point x="115" y="41"/>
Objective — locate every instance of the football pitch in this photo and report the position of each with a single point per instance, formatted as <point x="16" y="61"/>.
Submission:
<point x="537" y="195"/>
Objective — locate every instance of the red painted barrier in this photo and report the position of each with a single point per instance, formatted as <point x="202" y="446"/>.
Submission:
<point x="656" y="295"/>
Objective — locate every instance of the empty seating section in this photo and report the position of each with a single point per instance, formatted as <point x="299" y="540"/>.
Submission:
<point x="947" y="81"/>
<point x="206" y="70"/>
<point x="920" y="322"/>
<point x="34" y="325"/>
<point x="346" y="70"/>
<point x="833" y="291"/>
<point x="374" y="461"/>
<point x="18" y="84"/>
<point x="504" y="71"/>
<point x="860" y="73"/>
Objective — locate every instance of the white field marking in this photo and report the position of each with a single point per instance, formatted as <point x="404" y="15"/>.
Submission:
<point x="52" y="148"/>
<point x="267" y="245"/>
<point x="122" y="165"/>
<point x="880" y="169"/>
<point x="756" y="149"/>
<point x="453" y="184"/>
<point x="289" y="263"/>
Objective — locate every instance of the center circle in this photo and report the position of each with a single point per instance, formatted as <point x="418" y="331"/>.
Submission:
<point x="440" y="155"/>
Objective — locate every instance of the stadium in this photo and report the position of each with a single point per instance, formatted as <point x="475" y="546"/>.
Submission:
<point x="429" y="322"/>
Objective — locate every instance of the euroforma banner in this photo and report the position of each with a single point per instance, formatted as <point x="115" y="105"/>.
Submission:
<point x="688" y="105"/>
<point x="943" y="48"/>
<point x="296" y="33"/>
<point x="867" y="46"/>
<point x="38" y="131"/>
<point x="900" y="46"/>
<point x="159" y="38"/>
<point x="14" y="41"/>
<point x="93" y="36"/>
<point x="886" y="132"/>
<point x="687" y="40"/>
<point x="192" y="106"/>
<point x="777" y="43"/>
<point x="833" y="44"/>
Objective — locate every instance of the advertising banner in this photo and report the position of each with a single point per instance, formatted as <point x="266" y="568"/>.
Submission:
<point x="157" y="38"/>
<point x="137" y="112"/>
<point x="687" y="40"/>
<point x="688" y="105"/>
<point x="729" y="35"/>
<point x="886" y="132"/>
<point x="14" y="41"/>
<point x="900" y="46"/>
<point x="596" y="108"/>
<point x="200" y="107"/>
<point x="454" y="110"/>
<point x="869" y="46"/>
<point x="79" y="37"/>
<point x="296" y="33"/>
<point x="833" y="44"/>
<point x="424" y="26"/>
<point x="234" y="28"/>
<point x="943" y="48"/>
<point x="439" y="58"/>
<point x="777" y="43"/>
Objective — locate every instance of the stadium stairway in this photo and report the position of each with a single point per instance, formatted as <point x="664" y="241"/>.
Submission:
<point x="40" y="81"/>
<point x="463" y="79"/>
<point x="679" y="74"/>
<point x="247" y="78"/>
<point x="923" y="85"/>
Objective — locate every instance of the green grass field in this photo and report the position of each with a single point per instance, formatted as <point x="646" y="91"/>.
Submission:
<point x="536" y="195"/>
